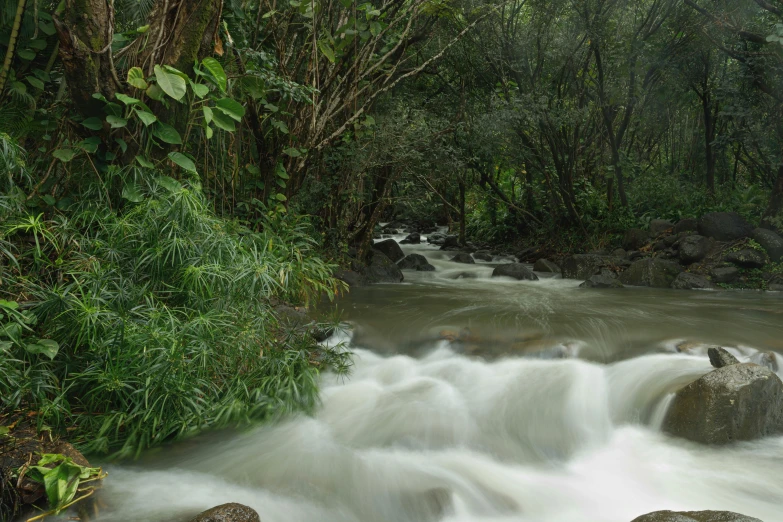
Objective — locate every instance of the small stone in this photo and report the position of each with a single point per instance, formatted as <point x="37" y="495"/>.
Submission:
<point x="232" y="512"/>
<point x="694" y="516"/>
<point x="463" y="257"/>
<point x="719" y="357"/>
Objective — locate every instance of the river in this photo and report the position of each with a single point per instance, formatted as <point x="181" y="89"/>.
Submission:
<point x="479" y="399"/>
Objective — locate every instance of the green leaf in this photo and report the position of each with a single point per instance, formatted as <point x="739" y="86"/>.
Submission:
<point x="143" y="29"/>
<point x="155" y="92"/>
<point x="116" y="122"/>
<point x="26" y="54"/>
<point x="35" y="82"/>
<point x="136" y="78"/>
<point x="127" y="100"/>
<point x="171" y="83"/>
<point x="42" y="75"/>
<point x="210" y="132"/>
<point x="376" y="28"/>
<point x="144" y="162"/>
<point x="326" y="49"/>
<point x="147" y="118"/>
<point x="64" y="155"/>
<point x="216" y="72"/>
<point x="38" y="44"/>
<point x="231" y="108"/>
<point x="131" y="192"/>
<point x="280" y="197"/>
<point x="222" y="121"/>
<point x="61" y="484"/>
<point x="183" y="161"/>
<point x="294" y="153"/>
<point x="280" y="125"/>
<point x="199" y="89"/>
<point x="170" y="184"/>
<point x="89" y="144"/>
<point x="9" y="305"/>
<point x="122" y="144"/>
<point x="93" y="123"/>
<point x="207" y="114"/>
<point x="166" y="134"/>
<point x="49" y="200"/>
<point x="45" y="347"/>
<point x="47" y="29"/>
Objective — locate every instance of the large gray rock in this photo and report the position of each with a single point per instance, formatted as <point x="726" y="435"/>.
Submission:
<point x="463" y="257"/>
<point x="414" y="238"/>
<point x="652" y="272"/>
<point x="694" y="248"/>
<point x="351" y="277"/>
<point x="415" y="262"/>
<point x="436" y="238"/>
<point x="694" y="516"/>
<point x="734" y="403"/>
<point x="724" y="274"/>
<point x="686" y="225"/>
<point x="603" y="280"/>
<point x="719" y="357"/>
<point x="689" y="281"/>
<point x="582" y="266"/>
<point x="635" y="238"/>
<point x="450" y="243"/>
<point x="771" y="242"/>
<point x="659" y="226"/>
<point x="545" y="265"/>
<point x="515" y="270"/>
<point x="482" y="255"/>
<point x="724" y="226"/>
<point x="747" y="258"/>
<point x="232" y="512"/>
<point x="390" y="248"/>
<point x="382" y="269"/>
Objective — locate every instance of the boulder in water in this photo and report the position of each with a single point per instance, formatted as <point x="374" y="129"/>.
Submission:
<point x="719" y="357"/>
<point x="734" y="403"/>
<point x="747" y="258"/>
<point x="694" y="516"/>
<point x="689" y="281"/>
<point x="515" y="270"/>
<point x="660" y="226"/>
<point x="436" y="238"/>
<point x="415" y="262"/>
<point x="582" y="266"/>
<point x="766" y="359"/>
<point x="390" y="248"/>
<point x="635" y="238"/>
<point x="771" y="242"/>
<point x="413" y="238"/>
<point x="450" y="243"/>
<point x="724" y="274"/>
<point x="724" y="226"/>
<point x="463" y="257"/>
<point x="232" y="512"/>
<point x="545" y="265"/>
<point x="382" y="269"/>
<point x="351" y="277"/>
<point x="602" y="280"/>
<point x="694" y="248"/>
<point x="652" y="272"/>
<point x="482" y="255"/>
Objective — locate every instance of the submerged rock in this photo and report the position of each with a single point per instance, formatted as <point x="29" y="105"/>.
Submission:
<point x="582" y="266"/>
<point x="482" y="255"/>
<point x="232" y="512"/>
<point x="463" y="257"/>
<point x="545" y="265"/>
<point x="390" y="248"/>
<point x="719" y="357"/>
<point x="602" y="281"/>
<point x="724" y="226"/>
<point x="651" y="272"/>
<point x="515" y="270"/>
<point x="694" y="516"/>
<point x="688" y="281"/>
<point x="415" y="262"/>
<point x="734" y="403"/>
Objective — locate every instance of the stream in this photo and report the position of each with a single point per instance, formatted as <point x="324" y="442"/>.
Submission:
<point x="479" y="399"/>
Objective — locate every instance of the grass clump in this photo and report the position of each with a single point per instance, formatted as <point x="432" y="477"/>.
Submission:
<point x="162" y="318"/>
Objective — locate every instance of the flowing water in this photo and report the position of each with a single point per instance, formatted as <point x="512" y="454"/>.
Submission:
<point x="479" y="399"/>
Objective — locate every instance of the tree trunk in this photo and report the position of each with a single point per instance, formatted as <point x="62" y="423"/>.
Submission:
<point x="461" y="212"/>
<point x="709" y="137"/>
<point x="773" y="216"/>
<point x="9" y="53"/>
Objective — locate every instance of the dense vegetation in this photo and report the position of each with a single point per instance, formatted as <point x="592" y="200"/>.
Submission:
<point x="172" y="170"/>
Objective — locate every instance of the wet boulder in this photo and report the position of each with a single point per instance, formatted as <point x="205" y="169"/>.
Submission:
<point x="413" y="238"/>
<point x="602" y="280"/>
<point x="686" y="225"/>
<point x="689" y="281"/>
<point x="415" y="262"/>
<point x="724" y="274"/>
<point x="635" y="238"/>
<point x="582" y="266"/>
<point x="545" y="265"/>
<point x="694" y="516"/>
<point x="651" y="272"/>
<point x="381" y="269"/>
<point x="483" y="255"/>
<point x="724" y="226"/>
<point x="463" y="257"/>
<point x="351" y="277"/>
<point x="694" y="248"/>
<point x="734" y="403"/>
<point x="232" y="512"/>
<point x="515" y="270"/>
<point x="660" y="226"/>
<point x="450" y="243"/>
<point x="747" y="258"/>
<point x="390" y="248"/>
<point x="769" y="241"/>
<point x="436" y="238"/>
<point x="719" y="357"/>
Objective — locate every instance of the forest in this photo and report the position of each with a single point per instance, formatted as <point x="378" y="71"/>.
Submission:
<point x="179" y="179"/>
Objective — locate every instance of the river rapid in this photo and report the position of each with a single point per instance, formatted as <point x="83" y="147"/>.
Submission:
<point x="479" y="399"/>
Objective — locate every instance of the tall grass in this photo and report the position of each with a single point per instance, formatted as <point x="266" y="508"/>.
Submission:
<point x="164" y="314"/>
